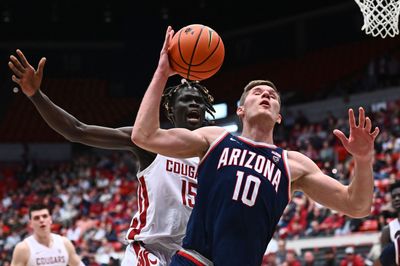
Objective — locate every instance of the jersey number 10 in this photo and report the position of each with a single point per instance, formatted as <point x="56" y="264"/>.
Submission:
<point x="248" y="198"/>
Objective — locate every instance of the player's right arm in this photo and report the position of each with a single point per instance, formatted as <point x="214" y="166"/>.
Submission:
<point x="61" y="121"/>
<point x="146" y="132"/>
<point x="20" y="255"/>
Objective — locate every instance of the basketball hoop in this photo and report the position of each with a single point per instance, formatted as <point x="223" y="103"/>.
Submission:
<point x="381" y="17"/>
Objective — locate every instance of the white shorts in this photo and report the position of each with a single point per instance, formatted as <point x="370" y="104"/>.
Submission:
<point x="138" y="255"/>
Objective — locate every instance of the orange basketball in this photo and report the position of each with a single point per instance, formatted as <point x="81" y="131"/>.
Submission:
<point x="196" y="52"/>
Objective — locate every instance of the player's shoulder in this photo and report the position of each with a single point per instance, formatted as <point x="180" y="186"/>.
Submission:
<point x="22" y="249"/>
<point x="64" y="239"/>
<point x="297" y="156"/>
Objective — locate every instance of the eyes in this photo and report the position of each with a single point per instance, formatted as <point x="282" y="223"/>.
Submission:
<point x="187" y="99"/>
<point x="37" y="218"/>
<point x="258" y="91"/>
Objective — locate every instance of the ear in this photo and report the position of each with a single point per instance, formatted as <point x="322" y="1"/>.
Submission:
<point x="279" y="120"/>
<point x="240" y="111"/>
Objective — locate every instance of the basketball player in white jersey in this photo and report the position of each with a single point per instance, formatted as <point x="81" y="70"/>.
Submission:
<point x="390" y="255"/>
<point x="392" y="230"/>
<point x="167" y="186"/>
<point x="44" y="248"/>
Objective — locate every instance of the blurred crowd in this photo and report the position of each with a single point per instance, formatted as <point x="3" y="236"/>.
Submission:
<point x="93" y="197"/>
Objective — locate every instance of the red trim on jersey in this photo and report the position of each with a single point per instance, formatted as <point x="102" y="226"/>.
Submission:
<point x="143" y="255"/>
<point x="286" y="164"/>
<point x="143" y="205"/>
<point x="255" y="143"/>
<point x="189" y="257"/>
<point x="211" y="148"/>
<point x="397" y="250"/>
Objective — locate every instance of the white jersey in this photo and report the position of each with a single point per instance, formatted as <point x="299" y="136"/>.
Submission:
<point x="40" y="255"/>
<point x="166" y="194"/>
<point x="394" y="229"/>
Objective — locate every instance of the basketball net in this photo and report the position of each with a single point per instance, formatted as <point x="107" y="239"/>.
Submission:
<point x="381" y="17"/>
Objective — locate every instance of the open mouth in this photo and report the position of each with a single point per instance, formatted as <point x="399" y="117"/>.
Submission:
<point x="193" y="115"/>
<point x="264" y="103"/>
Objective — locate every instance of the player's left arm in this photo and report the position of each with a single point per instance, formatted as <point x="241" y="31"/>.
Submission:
<point x="354" y="200"/>
<point x="74" y="259"/>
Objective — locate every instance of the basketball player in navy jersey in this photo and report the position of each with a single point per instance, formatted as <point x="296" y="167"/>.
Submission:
<point x="391" y="231"/>
<point x="245" y="182"/>
<point x="157" y="229"/>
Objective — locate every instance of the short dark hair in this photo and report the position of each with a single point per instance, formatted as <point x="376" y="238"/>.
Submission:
<point x="394" y="186"/>
<point x="37" y="207"/>
<point x="255" y="83"/>
<point x="170" y="93"/>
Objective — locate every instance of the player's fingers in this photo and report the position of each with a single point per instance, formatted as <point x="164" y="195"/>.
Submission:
<point x="17" y="64"/>
<point x="15" y="79"/>
<point x="340" y="136"/>
<point x="40" y="68"/>
<point x="368" y="124"/>
<point x="21" y="55"/>
<point x="361" y="117"/>
<point x="352" y="119"/>
<point x="15" y="70"/>
<point x="166" y="44"/>
<point x="375" y="133"/>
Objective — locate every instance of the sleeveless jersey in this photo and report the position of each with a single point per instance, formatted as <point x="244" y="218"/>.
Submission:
<point x="166" y="194"/>
<point x="243" y="190"/>
<point x="394" y="229"/>
<point x="40" y="255"/>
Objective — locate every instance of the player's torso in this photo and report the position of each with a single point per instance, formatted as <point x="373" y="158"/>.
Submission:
<point x="166" y="194"/>
<point x="394" y="229"/>
<point x="40" y="255"/>
<point x="243" y="191"/>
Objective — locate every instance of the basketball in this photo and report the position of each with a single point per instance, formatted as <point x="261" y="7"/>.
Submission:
<point x="196" y="52"/>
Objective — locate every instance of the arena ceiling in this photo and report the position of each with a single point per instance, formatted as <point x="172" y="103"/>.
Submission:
<point x="80" y="20"/>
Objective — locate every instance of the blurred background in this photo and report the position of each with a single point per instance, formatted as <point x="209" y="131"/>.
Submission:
<point x="101" y="56"/>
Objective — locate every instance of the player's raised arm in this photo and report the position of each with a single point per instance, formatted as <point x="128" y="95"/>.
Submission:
<point x="146" y="131"/>
<point x="354" y="200"/>
<point x="30" y="79"/>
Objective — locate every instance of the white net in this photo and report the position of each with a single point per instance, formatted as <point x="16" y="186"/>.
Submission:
<point x="381" y="17"/>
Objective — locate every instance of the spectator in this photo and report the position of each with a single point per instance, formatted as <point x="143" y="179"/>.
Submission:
<point x="309" y="259"/>
<point x="291" y="259"/>
<point x="351" y="258"/>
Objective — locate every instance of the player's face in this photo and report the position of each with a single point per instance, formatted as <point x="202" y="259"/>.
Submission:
<point x="189" y="109"/>
<point x="396" y="198"/>
<point x="41" y="221"/>
<point x="261" y="100"/>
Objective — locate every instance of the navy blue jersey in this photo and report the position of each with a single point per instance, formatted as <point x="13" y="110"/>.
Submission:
<point x="243" y="189"/>
<point x="390" y="255"/>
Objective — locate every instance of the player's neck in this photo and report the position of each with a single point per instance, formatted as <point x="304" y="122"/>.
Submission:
<point x="258" y="134"/>
<point x="45" y="240"/>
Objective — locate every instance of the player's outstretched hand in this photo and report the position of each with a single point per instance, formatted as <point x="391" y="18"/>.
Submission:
<point x="28" y="78"/>
<point x="360" y="143"/>
<point x="163" y="63"/>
